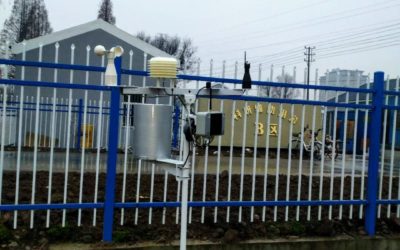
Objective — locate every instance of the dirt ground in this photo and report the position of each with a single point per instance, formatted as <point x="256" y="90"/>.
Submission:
<point x="157" y="232"/>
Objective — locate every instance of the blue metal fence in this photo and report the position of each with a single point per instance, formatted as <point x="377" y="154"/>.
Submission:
<point x="370" y="201"/>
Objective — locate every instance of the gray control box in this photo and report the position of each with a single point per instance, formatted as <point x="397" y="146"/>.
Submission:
<point x="210" y="123"/>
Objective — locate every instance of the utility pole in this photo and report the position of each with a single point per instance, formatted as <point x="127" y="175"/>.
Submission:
<point x="309" y="58"/>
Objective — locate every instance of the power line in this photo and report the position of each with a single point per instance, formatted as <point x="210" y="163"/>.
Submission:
<point x="365" y="33"/>
<point x="311" y="21"/>
<point x="343" y="45"/>
<point x="265" y="18"/>
<point x="337" y="53"/>
<point x="289" y="56"/>
<point x="328" y="34"/>
<point x="349" y="51"/>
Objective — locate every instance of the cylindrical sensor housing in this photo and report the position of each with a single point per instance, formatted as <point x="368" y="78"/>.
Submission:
<point x="152" y="131"/>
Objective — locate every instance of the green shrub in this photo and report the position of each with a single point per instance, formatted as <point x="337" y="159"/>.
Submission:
<point x="121" y="236"/>
<point x="59" y="233"/>
<point x="5" y="234"/>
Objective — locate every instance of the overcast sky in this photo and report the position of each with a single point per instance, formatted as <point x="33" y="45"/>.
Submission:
<point x="270" y="31"/>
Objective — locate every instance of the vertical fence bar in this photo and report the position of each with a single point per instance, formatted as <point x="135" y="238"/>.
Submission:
<point x="230" y="159"/>
<point x="333" y="154"/>
<point x="153" y="166"/>
<point x="353" y="165"/>
<point x="392" y="150"/>
<point x="25" y="114"/>
<point x="242" y="162"/>
<point x="10" y="114"/>
<point x="322" y="163"/>
<point x="267" y="136"/>
<point x="218" y="155"/>
<point x="373" y="164"/>
<point x="74" y="122"/>
<point x="139" y="172"/>
<point x="144" y="78"/>
<point x="253" y="182"/>
<point x="84" y="142"/>
<point x="19" y="150"/>
<point x="89" y="110"/>
<point x="364" y="150"/>
<point x="108" y="106"/>
<point x="67" y="140"/>
<point x="300" y="171"/>
<point x="127" y="136"/>
<point x="153" y="169"/>
<point x="165" y="197"/>
<point x="120" y="134"/>
<point x="60" y="141"/>
<point x="3" y="128"/>
<point x="3" y="118"/>
<point x="36" y="139"/>
<point x="31" y="121"/>
<point x="289" y="166"/>
<point x="52" y="137"/>
<point x="310" y="177"/>
<point x="278" y="153"/>
<point x="271" y="78"/>
<point x="344" y="149"/>
<point x="99" y="141"/>
<point x="383" y="147"/>
<point x="46" y="111"/>
<point x="316" y="92"/>
<point x="112" y="157"/>
<point x="39" y="115"/>
<point x="192" y="171"/>
<point x="259" y="78"/>
<point x="205" y="160"/>
<point x="79" y="124"/>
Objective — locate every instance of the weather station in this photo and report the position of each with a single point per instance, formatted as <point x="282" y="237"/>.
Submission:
<point x="152" y="123"/>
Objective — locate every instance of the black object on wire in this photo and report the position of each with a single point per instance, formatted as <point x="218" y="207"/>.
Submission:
<point x="246" y="82"/>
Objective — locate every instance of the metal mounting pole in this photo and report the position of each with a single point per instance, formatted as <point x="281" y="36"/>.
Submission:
<point x="185" y="173"/>
<point x="184" y="200"/>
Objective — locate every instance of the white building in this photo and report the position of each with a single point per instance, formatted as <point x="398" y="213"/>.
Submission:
<point x="341" y="78"/>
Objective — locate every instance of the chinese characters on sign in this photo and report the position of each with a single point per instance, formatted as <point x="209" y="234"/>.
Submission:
<point x="273" y="128"/>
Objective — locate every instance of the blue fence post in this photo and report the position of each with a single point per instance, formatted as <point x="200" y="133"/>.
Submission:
<point x="109" y="201"/>
<point x="79" y="125"/>
<point x="375" y="128"/>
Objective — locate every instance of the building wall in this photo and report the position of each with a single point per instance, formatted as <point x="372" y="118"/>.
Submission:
<point x="81" y="42"/>
<point x="276" y="114"/>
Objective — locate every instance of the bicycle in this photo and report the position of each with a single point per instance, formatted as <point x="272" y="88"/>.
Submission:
<point x="328" y="146"/>
<point x="297" y="143"/>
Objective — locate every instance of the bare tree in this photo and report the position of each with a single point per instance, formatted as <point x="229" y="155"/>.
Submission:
<point x="186" y="54"/>
<point x="182" y="49"/>
<point x="38" y="20"/>
<point x="106" y="12"/>
<point x="143" y="36"/>
<point x="281" y="92"/>
<point x="28" y="19"/>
